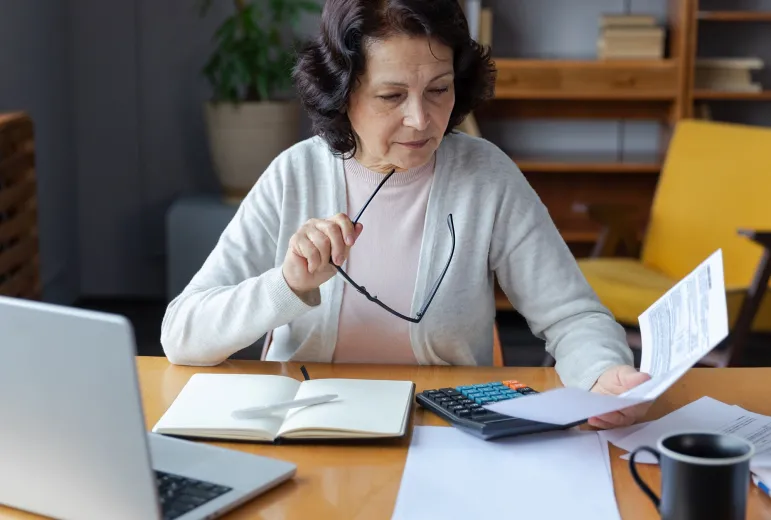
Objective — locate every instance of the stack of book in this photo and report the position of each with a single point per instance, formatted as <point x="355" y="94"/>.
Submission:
<point x="727" y="74"/>
<point x="630" y="36"/>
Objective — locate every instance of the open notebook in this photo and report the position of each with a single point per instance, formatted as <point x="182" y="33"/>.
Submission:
<point x="365" y="408"/>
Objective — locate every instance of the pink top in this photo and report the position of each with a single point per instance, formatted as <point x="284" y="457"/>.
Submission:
<point x="385" y="261"/>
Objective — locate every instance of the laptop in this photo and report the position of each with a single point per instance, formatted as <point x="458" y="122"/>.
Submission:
<point x="73" y="442"/>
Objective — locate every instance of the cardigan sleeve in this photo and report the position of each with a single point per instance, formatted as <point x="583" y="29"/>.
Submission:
<point x="239" y="294"/>
<point x="541" y="278"/>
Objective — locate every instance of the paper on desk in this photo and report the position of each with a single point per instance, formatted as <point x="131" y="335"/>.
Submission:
<point x="704" y="414"/>
<point x="453" y="475"/>
<point x="613" y="436"/>
<point x="695" y="313"/>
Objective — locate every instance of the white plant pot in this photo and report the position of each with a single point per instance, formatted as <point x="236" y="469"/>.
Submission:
<point x="245" y="138"/>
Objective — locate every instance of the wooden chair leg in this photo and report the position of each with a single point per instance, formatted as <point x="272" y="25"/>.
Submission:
<point x="497" y="348"/>
<point x="743" y="326"/>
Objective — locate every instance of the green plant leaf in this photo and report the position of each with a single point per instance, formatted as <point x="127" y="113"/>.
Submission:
<point x="250" y="60"/>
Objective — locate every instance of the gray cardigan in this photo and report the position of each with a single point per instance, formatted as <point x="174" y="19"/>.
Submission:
<point x="502" y="229"/>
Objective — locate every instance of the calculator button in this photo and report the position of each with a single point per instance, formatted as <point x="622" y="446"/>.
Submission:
<point x="526" y="390"/>
<point x="463" y="413"/>
<point x="466" y="401"/>
<point x="459" y="397"/>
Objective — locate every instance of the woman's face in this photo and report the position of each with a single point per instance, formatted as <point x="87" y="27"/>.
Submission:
<point x="400" y="108"/>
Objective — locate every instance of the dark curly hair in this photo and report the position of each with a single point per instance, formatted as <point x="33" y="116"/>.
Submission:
<point x="328" y="66"/>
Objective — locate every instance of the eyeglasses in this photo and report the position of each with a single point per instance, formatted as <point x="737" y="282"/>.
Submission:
<point x="434" y="288"/>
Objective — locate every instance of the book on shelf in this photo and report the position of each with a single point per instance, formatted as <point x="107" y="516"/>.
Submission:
<point x="633" y="36"/>
<point x="480" y="21"/>
<point x="486" y="27"/>
<point x="629" y="20"/>
<point x="363" y="408"/>
<point x="727" y="74"/>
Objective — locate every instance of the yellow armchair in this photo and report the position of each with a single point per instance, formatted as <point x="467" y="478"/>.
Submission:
<point x="714" y="191"/>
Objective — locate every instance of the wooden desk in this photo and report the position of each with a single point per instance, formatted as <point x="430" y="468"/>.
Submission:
<point x="361" y="482"/>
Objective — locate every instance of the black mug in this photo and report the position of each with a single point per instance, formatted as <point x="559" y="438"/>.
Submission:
<point x="703" y="475"/>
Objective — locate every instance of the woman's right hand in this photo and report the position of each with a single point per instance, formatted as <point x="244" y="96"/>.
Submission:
<point x="311" y="249"/>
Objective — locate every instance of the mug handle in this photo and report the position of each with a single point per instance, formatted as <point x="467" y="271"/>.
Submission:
<point x="636" y="476"/>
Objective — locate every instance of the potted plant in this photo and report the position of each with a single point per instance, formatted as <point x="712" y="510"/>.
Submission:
<point x="251" y="117"/>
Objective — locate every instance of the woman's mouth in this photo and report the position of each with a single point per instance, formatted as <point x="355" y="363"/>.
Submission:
<point x="415" y="145"/>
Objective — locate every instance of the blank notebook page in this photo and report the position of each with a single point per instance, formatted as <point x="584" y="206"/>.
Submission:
<point x="207" y="400"/>
<point x="549" y="476"/>
<point x="363" y="405"/>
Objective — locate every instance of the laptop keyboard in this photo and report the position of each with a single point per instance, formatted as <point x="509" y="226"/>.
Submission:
<point x="180" y="495"/>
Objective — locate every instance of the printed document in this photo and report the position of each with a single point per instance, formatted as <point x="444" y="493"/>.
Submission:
<point x="681" y="327"/>
<point x="704" y="414"/>
<point x="452" y="475"/>
<point x="686" y="322"/>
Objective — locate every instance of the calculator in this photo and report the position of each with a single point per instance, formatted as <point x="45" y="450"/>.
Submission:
<point x="462" y="407"/>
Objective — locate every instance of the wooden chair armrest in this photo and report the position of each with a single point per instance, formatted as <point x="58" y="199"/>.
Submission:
<point x="618" y="228"/>
<point x="761" y="237"/>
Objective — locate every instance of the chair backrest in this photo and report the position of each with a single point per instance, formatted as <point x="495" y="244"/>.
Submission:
<point x="19" y="255"/>
<point x="716" y="179"/>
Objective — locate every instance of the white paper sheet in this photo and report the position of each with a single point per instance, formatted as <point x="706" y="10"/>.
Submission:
<point x="704" y="414"/>
<point x="562" y="405"/>
<point x="613" y="436"/>
<point x="556" y="475"/>
<point x="699" y="306"/>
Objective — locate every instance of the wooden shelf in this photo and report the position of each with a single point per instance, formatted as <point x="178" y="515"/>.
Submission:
<point x="588" y="163"/>
<point x="583" y="237"/>
<point x="592" y="79"/>
<point x="735" y="16"/>
<point x="723" y="95"/>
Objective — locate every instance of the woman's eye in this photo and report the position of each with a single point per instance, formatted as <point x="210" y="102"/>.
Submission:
<point x="440" y="90"/>
<point x="390" y="97"/>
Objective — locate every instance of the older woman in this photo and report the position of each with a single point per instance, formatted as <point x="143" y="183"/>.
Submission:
<point x="409" y="280"/>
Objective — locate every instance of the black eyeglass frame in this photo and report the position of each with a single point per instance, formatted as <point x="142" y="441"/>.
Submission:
<point x="435" y="287"/>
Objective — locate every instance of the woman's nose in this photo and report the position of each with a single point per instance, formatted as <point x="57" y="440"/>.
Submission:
<point x="416" y="116"/>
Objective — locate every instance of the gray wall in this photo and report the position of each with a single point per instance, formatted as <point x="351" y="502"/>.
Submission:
<point x="116" y="91"/>
<point x="35" y="76"/>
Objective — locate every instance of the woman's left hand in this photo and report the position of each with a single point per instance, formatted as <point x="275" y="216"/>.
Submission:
<point x="617" y="380"/>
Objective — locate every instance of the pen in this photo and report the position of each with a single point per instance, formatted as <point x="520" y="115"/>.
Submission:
<point x="262" y="411"/>
<point x="761" y="485"/>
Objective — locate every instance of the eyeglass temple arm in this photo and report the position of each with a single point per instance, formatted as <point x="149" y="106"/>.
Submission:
<point x="358" y="215"/>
